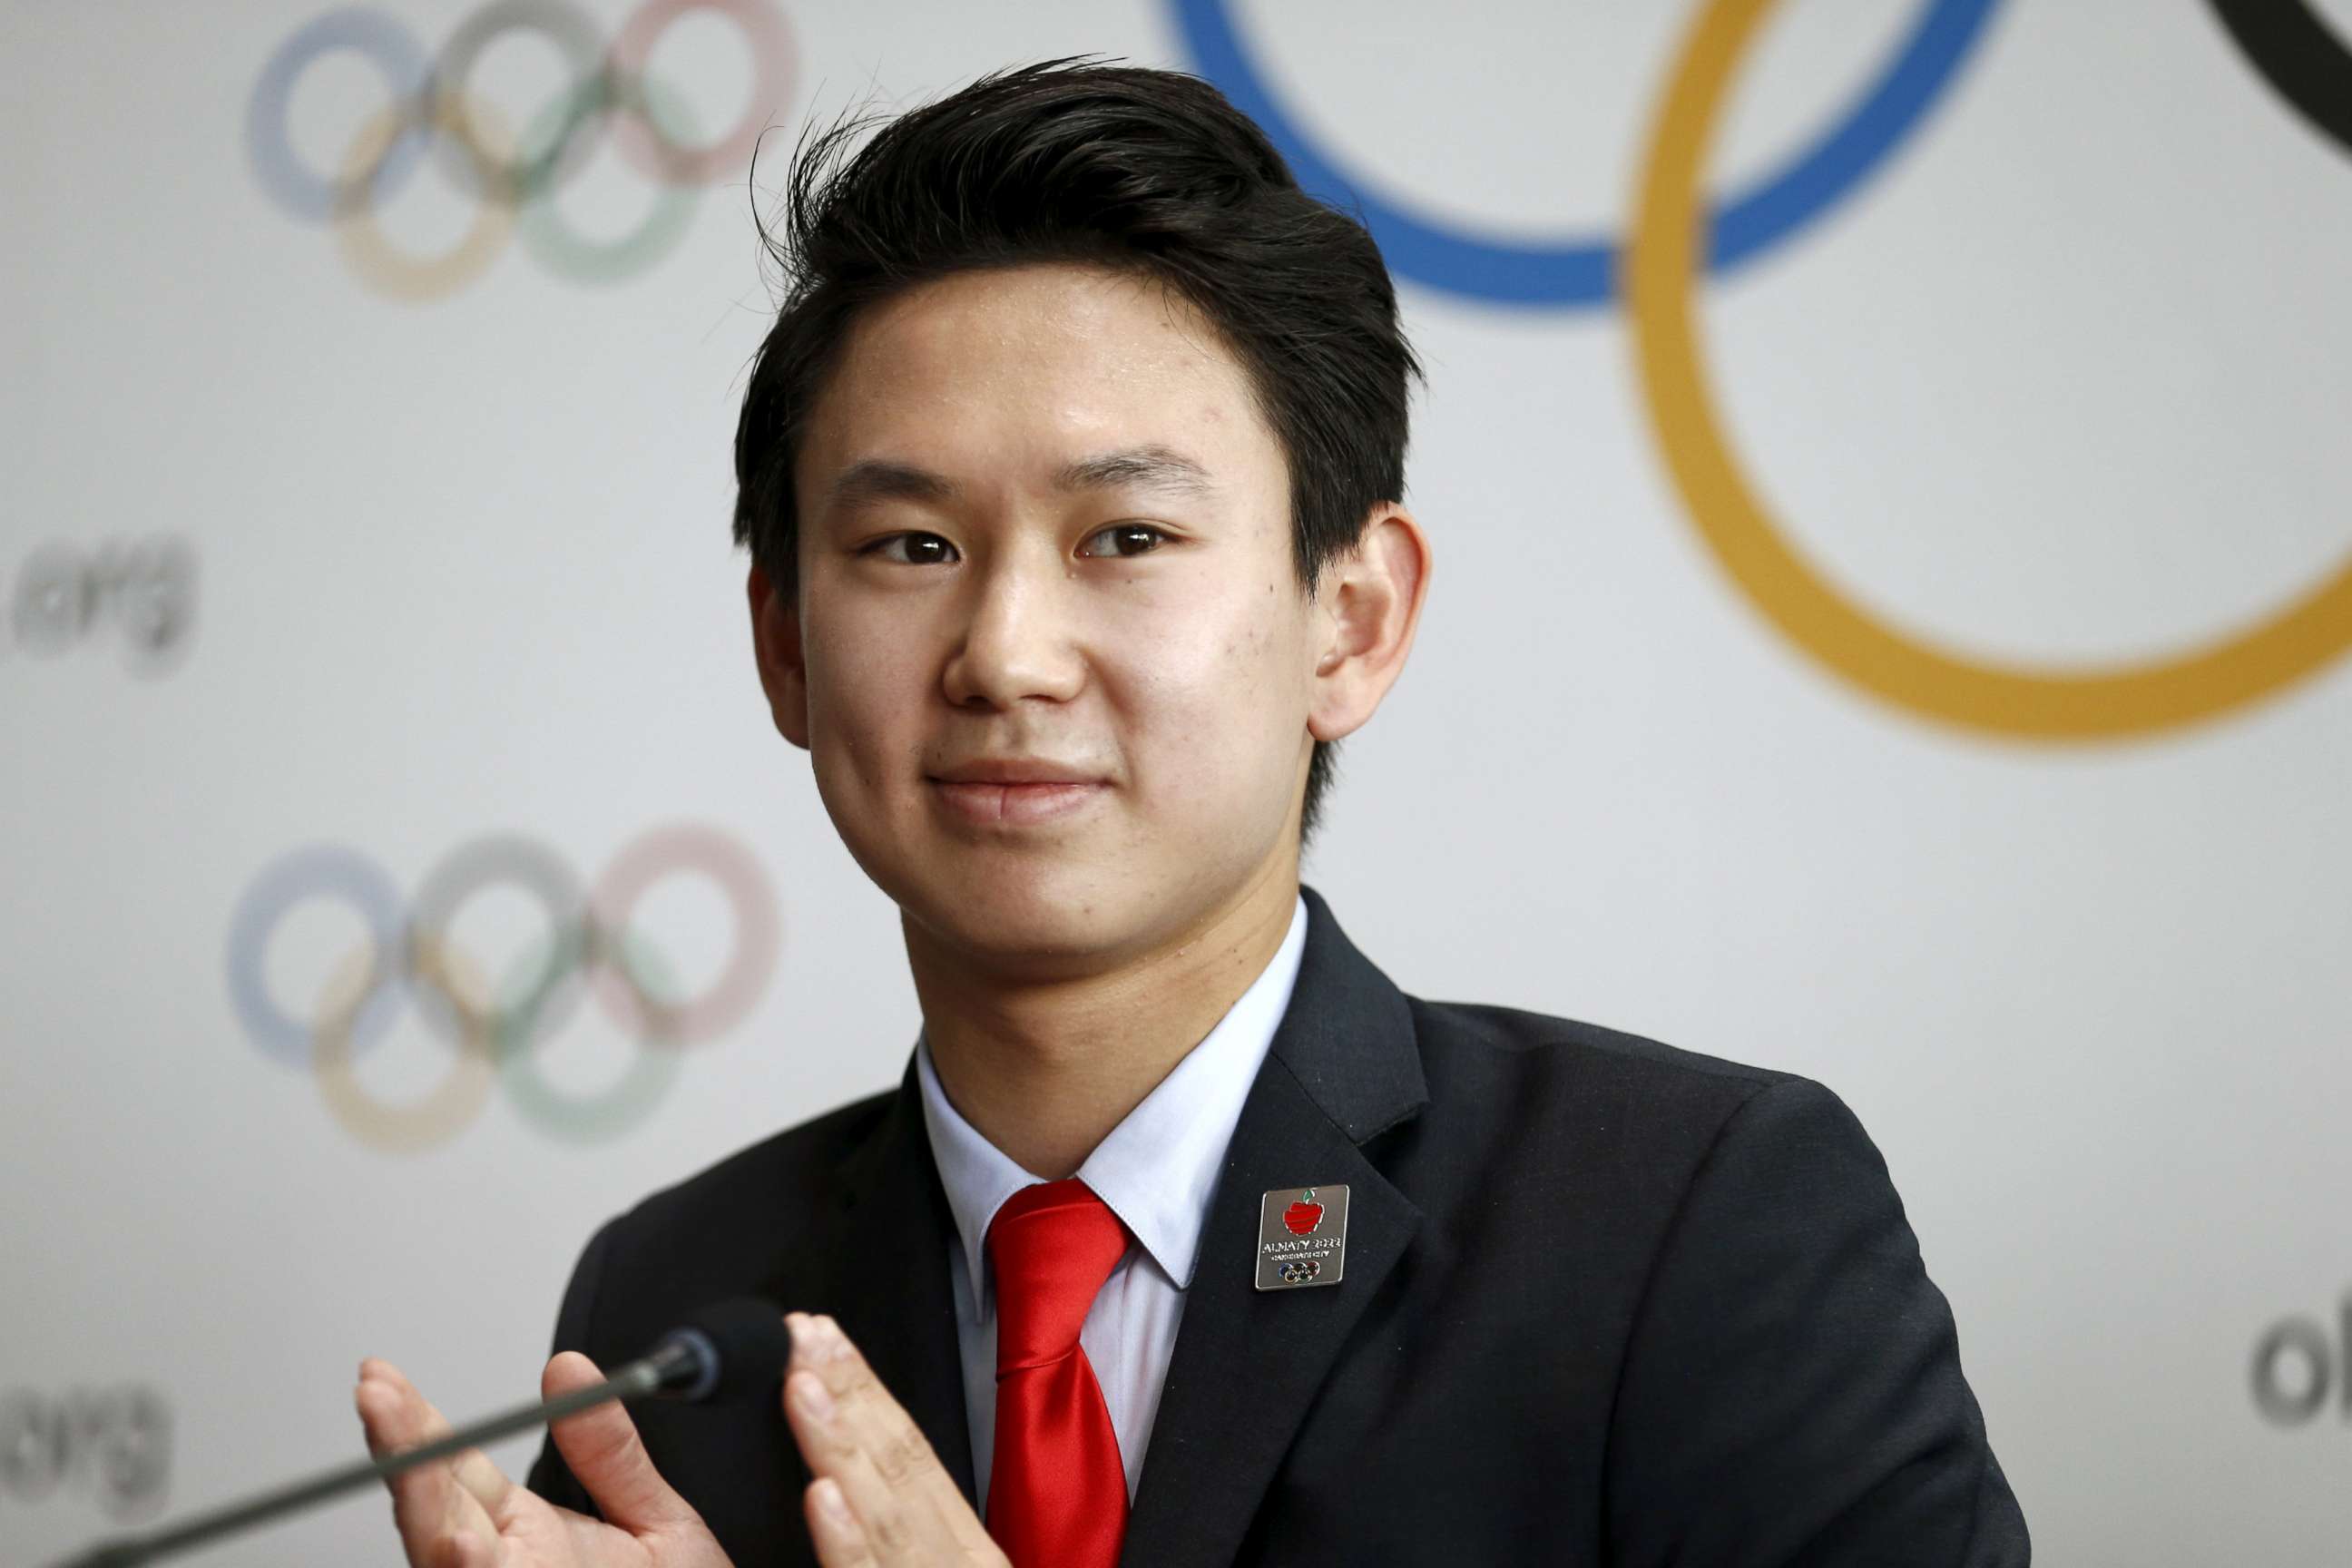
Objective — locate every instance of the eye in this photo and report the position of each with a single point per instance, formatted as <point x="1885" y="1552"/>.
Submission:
<point x="1123" y="539"/>
<point x="914" y="550"/>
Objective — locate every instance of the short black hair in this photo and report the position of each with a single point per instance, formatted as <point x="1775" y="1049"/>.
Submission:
<point x="1140" y="171"/>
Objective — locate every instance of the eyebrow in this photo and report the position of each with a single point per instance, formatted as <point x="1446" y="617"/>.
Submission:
<point x="1148" y="467"/>
<point x="880" y="479"/>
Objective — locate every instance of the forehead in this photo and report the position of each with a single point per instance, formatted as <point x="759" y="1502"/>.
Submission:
<point x="1020" y="371"/>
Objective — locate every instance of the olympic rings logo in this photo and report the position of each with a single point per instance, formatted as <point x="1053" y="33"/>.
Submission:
<point x="497" y="1029"/>
<point x="430" y="109"/>
<point x="1677" y="235"/>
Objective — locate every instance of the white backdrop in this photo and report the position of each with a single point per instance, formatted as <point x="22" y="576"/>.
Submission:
<point x="2055" y="372"/>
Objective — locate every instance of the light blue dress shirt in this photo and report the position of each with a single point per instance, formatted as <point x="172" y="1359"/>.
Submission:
<point x="1157" y="1170"/>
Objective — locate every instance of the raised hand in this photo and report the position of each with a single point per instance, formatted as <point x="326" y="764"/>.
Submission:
<point x="463" y="1512"/>
<point x="881" y="1499"/>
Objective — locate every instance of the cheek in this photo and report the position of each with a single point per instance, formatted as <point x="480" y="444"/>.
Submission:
<point x="866" y="685"/>
<point x="1213" y="687"/>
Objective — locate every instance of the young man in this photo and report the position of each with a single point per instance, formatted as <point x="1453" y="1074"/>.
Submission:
<point x="1071" y="476"/>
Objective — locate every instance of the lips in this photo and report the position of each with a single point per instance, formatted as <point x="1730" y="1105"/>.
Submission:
<point x="1015" y="792"/>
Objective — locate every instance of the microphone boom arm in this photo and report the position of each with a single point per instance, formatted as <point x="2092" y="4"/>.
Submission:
<point x="634" y="1380"/>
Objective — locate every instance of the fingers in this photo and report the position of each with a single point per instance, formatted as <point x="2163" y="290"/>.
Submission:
<point x="607" y="1456"/>
<point x="471" y="1551"/>
<point x="840" y="1543"/>
<point x="900" y="1506"/>
<point x="471" y="1467"/>
<point x="442" y="1510"/>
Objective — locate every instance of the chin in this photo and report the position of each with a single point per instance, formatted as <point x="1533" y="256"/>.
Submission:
<point x="1043" y="909"/>
<point x="1029" y="911"/>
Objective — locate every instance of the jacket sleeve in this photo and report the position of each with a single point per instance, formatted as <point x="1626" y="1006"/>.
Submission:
<point x="551" y="1477"/>
<point x="1792" y="1392"/>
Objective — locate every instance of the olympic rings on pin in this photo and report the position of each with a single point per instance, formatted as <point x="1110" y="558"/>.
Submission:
<point x="496" y="1029"/>
<point x="430" y="107"/>
<point x="1582" y="273"/>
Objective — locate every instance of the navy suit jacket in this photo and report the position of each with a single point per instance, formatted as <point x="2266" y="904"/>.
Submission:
<point x="1605" y="1303"/>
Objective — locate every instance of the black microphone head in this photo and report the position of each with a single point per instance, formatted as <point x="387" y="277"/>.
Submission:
<point x="735" y="1350"/>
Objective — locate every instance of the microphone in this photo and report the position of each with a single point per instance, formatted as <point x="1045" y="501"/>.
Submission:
<point x="728" y="1351"/>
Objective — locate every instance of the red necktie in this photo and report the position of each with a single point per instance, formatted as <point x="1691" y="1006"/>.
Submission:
<point x="1056" y="1490"/>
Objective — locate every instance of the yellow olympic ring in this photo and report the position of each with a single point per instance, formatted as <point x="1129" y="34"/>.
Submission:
<point x="396" y="273"/>
<point x="1662" y="260"/>
<point x="453" y="1102"/>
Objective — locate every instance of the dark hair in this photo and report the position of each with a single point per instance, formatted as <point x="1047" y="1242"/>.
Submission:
<point x="1149" y="171"/>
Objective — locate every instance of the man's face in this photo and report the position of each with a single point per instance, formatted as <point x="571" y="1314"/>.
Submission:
<point x="1057" y="663"/>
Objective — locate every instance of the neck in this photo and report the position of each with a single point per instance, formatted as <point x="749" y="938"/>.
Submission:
<point x="1044" y="1069"/>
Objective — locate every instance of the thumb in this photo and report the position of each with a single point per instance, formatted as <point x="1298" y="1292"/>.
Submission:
<point x="608" y="1458"/>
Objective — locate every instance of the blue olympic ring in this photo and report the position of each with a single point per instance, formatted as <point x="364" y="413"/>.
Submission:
<point x="1583" y="272"/>
<point x="297" y="187"/>
<point x="306" y="873"/>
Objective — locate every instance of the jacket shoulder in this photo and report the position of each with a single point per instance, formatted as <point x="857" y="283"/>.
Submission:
<point x="1605" y="1105"/>
<point x="1487" y="1040"/>
<point x="777" y="1178"/>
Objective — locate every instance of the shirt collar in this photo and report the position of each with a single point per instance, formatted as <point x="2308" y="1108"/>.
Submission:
<point x="1157" y="1169"/>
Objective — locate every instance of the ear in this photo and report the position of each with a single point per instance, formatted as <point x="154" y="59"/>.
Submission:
<point x="783" y="670"/>
<point x="1368" y="606"/>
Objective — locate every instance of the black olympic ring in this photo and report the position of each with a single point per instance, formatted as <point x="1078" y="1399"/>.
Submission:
<point x="2300" y="56"/>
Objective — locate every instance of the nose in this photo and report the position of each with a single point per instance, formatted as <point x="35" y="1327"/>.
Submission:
<point x="1019" y="637"/>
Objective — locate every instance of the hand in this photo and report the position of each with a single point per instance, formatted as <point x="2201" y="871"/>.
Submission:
<point x="463" y="1512"/>
<point x="881" y="1498"/>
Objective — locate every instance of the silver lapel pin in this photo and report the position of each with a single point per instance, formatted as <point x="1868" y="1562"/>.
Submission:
<point x="1302" y="1237"/>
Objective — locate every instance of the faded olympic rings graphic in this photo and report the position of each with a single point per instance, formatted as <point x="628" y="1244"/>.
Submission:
<point x="515" y="182"/>
<point x="2292" y="642"/>
<point x="497" y="1027"/>
<point x="1584" y="272"/>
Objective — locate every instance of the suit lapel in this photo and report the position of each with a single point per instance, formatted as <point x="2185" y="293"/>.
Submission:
<point x="891" y="1292"/>
<point x="1343" y="1067"/>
